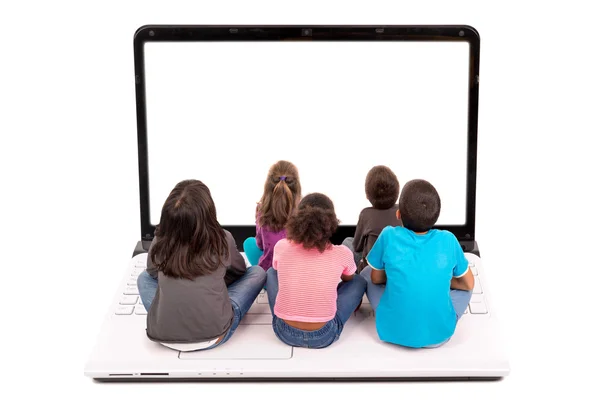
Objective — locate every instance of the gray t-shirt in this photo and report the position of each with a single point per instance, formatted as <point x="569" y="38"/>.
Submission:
<point x="370" y="224"/>
<point x="189" y="311"/>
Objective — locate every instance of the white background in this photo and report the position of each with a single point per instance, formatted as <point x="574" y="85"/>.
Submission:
<point x="69" y="195"/>
<point x="224" y="112"/>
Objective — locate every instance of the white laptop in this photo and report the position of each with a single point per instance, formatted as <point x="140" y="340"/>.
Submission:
<point x="222" y="103"/>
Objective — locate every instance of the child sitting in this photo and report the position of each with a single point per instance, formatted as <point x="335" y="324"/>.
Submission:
<point x="418" y="280"/>
<point x="309" y="303"/>
<point x="196" y="287"/>
<point x="382" y="189"/>
<point x="280" y="197"/>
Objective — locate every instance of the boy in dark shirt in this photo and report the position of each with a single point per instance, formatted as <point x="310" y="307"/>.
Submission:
<point x="382" y="189"/>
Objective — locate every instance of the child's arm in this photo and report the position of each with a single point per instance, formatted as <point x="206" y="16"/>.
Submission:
<point x="237" y="267"/>
<point x="151" y="269"/>
<point x="357" y="242"/>
<point x="376" y="257"/>
<point x="378" y="276"/>
<point x="258" y="236"/>
<point x="465" y="282"/>
<point x="462" y="277"/>
<point x="348" y="264"/>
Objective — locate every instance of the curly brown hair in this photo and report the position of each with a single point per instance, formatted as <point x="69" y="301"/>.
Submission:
<point x="314" y="223"/>
<point x="189" y="241"/>
<point x="281" y="194"/>
<point x="382" y="187"/>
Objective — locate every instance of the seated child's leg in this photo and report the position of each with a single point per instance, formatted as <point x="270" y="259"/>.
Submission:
<point x="272" y="287"/>
<point x="349" y="296"/>
<point x="147" y="286"/>
<point x="374" y="292"/>
<point x="460" y="301"/>
<point x="253" y="253"/>
<point x="242" y="294"/>
<point x="348" y="242"/>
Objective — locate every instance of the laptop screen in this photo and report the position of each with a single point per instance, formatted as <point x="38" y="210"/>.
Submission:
<point x="223" y="112"/>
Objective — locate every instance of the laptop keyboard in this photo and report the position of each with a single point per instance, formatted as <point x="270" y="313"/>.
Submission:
<point x="260" y="312"/>
<point x="477" y="304"/>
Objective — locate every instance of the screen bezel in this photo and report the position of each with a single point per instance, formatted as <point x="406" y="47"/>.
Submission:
<point x="191" y="33"/>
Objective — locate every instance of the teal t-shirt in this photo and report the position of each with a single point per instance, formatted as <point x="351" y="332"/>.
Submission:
<point x="415" y="309"/>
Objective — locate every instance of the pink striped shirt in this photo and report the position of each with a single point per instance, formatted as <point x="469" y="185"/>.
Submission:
<point x="308" y="280"/>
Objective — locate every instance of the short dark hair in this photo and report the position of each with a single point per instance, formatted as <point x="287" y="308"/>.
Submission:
<point x="382" y="187"/>
<point x="189" y="241"/>
<point x="419" y="205"/>
<point x="314" y="222"/>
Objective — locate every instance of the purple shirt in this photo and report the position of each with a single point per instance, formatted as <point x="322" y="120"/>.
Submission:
<point x="266" y="241"/>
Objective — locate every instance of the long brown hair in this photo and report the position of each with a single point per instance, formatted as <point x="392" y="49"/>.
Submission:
<point x="281" y="194"/>
<point x="314" y="223"/>
<point x="189" y="240"/>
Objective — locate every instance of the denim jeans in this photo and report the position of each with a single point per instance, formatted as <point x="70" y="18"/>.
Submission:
<point x="242" y="294"/>
<point x="349" y="296"/>
<point x="460" y="298"/>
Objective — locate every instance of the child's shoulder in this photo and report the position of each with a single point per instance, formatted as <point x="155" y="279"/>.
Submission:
<point x="445" y="235"/>
<point x="283" y="244"/>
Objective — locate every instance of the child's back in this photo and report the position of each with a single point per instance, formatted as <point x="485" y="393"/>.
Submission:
<point x="370" y="225"/>
<point x="382" y="189"/>
<point x="426" y="275"/>
<point x="281" y="194"/>
<point x="416" y="309"/>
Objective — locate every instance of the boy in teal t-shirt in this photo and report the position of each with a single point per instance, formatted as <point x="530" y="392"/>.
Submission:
<point x="418" y="279"/>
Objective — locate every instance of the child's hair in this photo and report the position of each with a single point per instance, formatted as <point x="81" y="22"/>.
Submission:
<point x="280" y="197"/>
<point x="419" y="205"/>
<point x="189" y="240"/>
<point x="382" y="187"/>
<point x="313" y="223"/>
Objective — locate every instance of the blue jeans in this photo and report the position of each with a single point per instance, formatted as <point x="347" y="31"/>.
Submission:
<point x="349" y="296"/>
<point x="253" y="253"/>
<point x="242" y="294"/>
<point x="460" y="298"/>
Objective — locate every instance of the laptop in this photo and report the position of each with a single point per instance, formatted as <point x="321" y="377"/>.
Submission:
<point x="223" y="103"/>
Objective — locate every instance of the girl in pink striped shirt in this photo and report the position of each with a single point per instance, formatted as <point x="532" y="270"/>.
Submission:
<point x="309" y="303"/>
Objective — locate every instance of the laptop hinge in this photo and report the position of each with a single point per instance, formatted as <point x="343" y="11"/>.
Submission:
<point x="470" y="246"/>
<point x="141" y="247"/>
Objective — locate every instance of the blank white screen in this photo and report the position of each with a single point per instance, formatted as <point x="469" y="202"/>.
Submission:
<point x="224" y="112"/>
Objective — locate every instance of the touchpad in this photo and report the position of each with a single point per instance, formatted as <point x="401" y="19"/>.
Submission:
<point x="249" y="342"/>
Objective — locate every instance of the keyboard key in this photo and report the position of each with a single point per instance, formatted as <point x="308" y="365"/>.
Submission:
<point x="124" y="310"/>
<point x="478" y="308"/>
<point x="366" y="299"/>
<point x="262" y="291"/>
<point x="132" y="281"/>
<point x="477" y="289"/>
<point x="466" y="310"/>
<point x="128" y="300"/>
<point x="476" y="298"/>
<point x="262" y="299"/>
<point x="140" y="264"/>
<point x="140" y="309"/>
<point x="131" y="290"/>
<point x="474" y="271"/>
